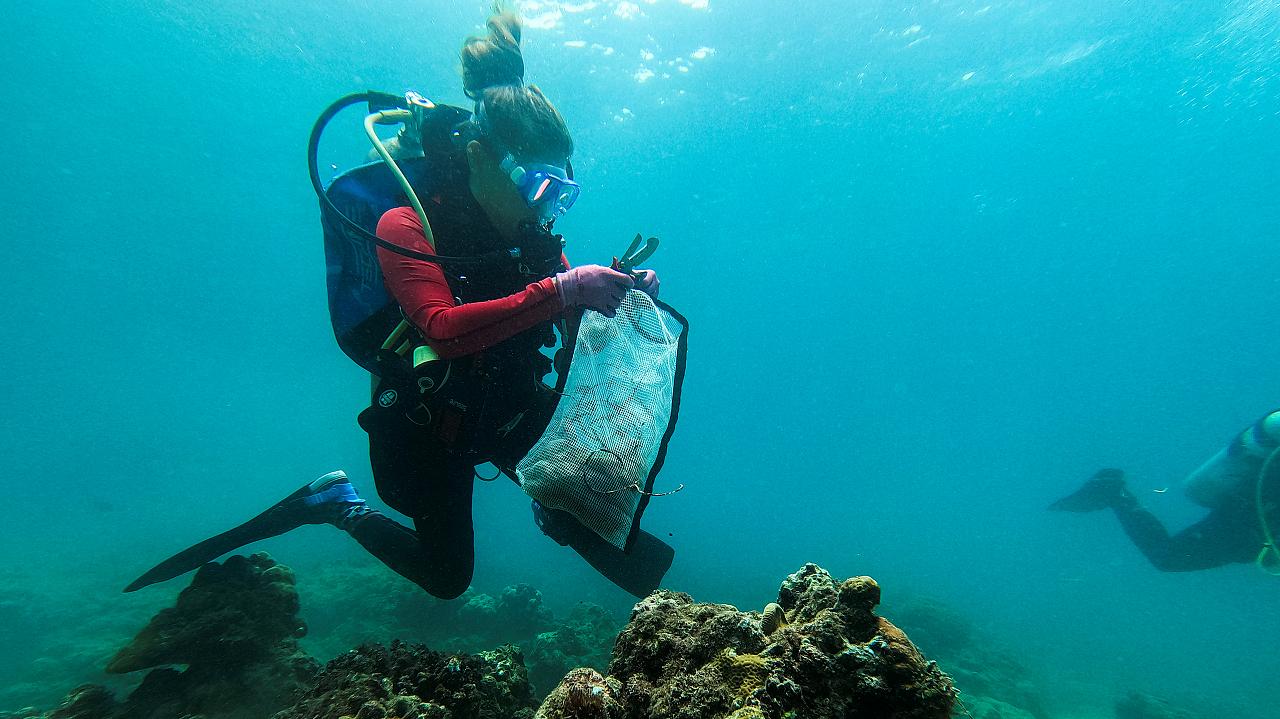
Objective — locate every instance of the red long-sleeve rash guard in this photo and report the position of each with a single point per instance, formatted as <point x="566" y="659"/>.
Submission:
<point x="423" y="293"/>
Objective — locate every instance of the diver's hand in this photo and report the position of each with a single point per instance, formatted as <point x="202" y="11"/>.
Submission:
<point x="647" y="282"/>
<point x="594" y="287"/>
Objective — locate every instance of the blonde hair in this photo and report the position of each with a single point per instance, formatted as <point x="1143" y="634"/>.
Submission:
<point x="518" y="117"/>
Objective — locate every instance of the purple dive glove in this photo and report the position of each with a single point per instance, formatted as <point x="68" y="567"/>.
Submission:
<point x="594" y="287"/>
<point x="647" y="282"/>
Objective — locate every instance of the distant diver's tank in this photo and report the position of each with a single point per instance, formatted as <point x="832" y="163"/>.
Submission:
<point x="1235" y="467"/>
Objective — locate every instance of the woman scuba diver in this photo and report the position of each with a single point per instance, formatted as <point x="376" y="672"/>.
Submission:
<point x="501" y="182"/>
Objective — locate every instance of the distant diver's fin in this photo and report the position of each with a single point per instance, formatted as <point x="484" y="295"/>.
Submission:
<point x="313" y="503"/>
<point x="1102" y="491"/>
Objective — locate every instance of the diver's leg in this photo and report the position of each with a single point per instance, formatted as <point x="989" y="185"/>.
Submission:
<point x="447" y="535"/>
<point x="443" y="570"/>
<point x="639" y="571"/>
<point x="418" y="477"/>
<point x="1221" y="538"/>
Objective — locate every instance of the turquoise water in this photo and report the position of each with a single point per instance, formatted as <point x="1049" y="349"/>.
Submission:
<point x="941" y="260"/>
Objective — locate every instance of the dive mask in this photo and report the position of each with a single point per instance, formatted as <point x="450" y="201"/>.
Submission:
<point x="546" y="188"/>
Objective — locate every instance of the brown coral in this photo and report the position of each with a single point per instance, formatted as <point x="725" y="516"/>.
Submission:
<point x="236" y="629"/>
<point x="583" y="694"/>
<point x="860" y="593"/>
<point x="243" y="610"/>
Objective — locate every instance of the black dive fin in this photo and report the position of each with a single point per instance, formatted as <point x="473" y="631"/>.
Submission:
<point x="639" y="572"/>
<point x="1101" y="492"/>
<point x="275" y="521"/>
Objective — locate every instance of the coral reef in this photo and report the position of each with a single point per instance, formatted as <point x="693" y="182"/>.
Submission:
<point x="936" y="627"/>
<point x="820" y="651"/>
<point x="517" y="613"/>
<point x="583" y="640"/>
<point x="243" y="610"/>
<point x="88" y="701"/>
<point x="413" y="682"/>
<point x="235" y="628"/>
<point x="351" y="606"/>
<point x="469" y="623"/>
<point x="583" y="693"/>
<point x="678" y="659"/>
<point x="477" y="621"/>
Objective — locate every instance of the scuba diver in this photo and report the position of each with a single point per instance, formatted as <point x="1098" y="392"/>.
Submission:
<point x="1239" y="486"/>
<point x="459" y="376"/>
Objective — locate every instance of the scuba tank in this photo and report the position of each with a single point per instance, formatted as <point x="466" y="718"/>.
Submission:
<point x="1235" y="467"/>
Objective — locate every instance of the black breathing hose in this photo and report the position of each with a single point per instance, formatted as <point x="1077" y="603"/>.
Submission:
<point x="376" y="101"/>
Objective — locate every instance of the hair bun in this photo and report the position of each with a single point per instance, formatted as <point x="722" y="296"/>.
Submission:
<point x="495" y="60"/>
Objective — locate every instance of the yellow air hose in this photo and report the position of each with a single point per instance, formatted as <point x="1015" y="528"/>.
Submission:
<point x="395" y="117"/>
<point x="1269" y="558"/>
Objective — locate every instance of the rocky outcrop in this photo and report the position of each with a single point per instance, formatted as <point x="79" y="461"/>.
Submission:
<point x="241" y="611"/>
<point x="228" y="649"/>
<point x="827" y="655"/>
<point x="88" y="701"/>
<point x="236" y="630"/>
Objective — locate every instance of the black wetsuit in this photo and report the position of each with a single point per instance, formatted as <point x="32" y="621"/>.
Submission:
<point x="424" y="479"/>
<point x="1228" y="535"/>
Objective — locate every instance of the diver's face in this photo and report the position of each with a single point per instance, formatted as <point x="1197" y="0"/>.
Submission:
<point x="496" y="193"/>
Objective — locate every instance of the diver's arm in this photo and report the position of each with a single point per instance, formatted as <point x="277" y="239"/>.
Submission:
<point x="423" y="293"/>
<point x="458" y="330"/>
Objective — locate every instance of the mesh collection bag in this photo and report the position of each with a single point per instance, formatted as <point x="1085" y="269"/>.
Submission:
<point x="606" y="442"/>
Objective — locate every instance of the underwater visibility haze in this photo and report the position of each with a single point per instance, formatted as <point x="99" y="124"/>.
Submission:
<point x="942" y="261"/>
